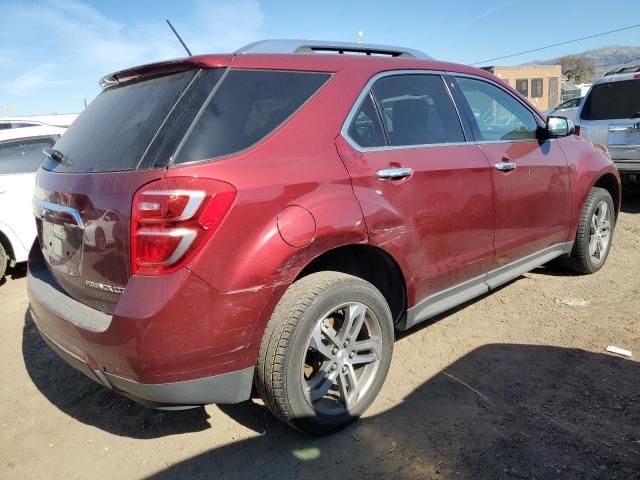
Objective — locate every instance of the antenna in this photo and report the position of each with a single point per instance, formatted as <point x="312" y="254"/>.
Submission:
<point x="180" y="39"/>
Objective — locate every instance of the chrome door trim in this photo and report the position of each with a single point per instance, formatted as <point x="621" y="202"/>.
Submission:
<point x="41" y="205"/>
<point x="395" y="173"/>
<point x="506" y="166"/>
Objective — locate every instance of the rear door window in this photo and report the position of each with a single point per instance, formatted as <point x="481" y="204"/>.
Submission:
<point x="497" y="114"/>
<point x="417" y="110"/>
<point x="115" y="132"/>
<point x="23" y="156"/>
<point x="615" y="100"/>
<point x="247" y="106"/>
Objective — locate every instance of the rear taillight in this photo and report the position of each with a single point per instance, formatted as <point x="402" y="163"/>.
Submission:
<point x="172" y="219"/>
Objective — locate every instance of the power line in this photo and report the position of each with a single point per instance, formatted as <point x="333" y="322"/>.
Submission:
<point x="558" y="44"/>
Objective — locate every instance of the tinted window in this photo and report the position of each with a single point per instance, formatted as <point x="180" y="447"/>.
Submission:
<point x="366" y="129"/>
<point x="23" y="156"/>
<point x="498" y="115"/>
<point x="613" y="100"/>
<point x="536" y="88"/>
<point x="114" y="131"/>
<point x="417" y="110"/>
<point x="248" y="106"/>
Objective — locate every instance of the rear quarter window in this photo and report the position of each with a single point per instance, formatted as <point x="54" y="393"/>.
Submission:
<point x="247" y="106"/>
<point x="615" y="100"/>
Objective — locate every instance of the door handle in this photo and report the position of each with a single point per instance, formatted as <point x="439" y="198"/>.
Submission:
<point x="395" y="173"/>
<point x="506" y="166"/>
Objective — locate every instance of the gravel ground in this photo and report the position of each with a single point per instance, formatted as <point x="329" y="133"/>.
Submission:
<point x="514" y="385"/>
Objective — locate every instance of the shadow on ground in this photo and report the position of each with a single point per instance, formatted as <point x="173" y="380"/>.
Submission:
<point x="17" y="271"/>
<point x="501" y="411"/>
<point x="86" y="401"/>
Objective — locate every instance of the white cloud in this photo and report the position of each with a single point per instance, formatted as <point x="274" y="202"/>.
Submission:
<point x="32" y="79"/>
<point x="488" y="12"/>
<point x="86" y="44"/>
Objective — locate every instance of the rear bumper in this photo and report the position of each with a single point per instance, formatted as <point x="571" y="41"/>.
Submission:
<point x="172" y="340"/>
<point x="232" y="387"/>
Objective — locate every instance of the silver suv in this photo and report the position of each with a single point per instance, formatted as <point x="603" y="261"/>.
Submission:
<point x="610" y="115"/>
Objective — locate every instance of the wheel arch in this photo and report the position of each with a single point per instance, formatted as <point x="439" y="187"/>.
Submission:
<point x="370" y="263"/>
<point x="611" y="184"/>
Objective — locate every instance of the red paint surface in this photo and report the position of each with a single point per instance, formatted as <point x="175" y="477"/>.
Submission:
<point x="440" y="225"/>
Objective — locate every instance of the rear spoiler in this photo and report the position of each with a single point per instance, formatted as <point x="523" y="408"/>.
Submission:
<point x="165" y="68"/>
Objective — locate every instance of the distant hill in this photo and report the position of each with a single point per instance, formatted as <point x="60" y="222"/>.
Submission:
<point x="606" y="58"/>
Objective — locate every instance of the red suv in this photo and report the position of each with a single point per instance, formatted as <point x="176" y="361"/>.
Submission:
<point x="270" y="217"/>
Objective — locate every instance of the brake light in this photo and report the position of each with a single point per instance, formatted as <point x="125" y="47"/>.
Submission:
<point x="172" y="219"/>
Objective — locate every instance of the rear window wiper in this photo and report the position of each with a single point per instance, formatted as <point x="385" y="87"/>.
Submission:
<point x="57" y="156"/>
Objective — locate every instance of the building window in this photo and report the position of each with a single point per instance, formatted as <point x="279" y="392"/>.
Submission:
<point x="536" y="88"/>
<point x="522" y="86"/>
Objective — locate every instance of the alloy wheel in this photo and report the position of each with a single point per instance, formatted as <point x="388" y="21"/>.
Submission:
<point x="342" y="358"/>
<point x="600" y="232"/>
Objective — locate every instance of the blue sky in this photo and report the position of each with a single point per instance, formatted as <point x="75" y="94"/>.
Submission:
<point x="53" y="52"/>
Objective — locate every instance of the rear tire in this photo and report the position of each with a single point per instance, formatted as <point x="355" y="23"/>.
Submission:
<point x="4" y="261"/>
<point x="325" y="352"/>
<point x="595" y="233"/>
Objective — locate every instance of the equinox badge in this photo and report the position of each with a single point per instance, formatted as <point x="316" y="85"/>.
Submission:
<point x="104" y="286"/>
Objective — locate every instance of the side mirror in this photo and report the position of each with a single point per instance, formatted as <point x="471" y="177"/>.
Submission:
<point x="559" y="127"/>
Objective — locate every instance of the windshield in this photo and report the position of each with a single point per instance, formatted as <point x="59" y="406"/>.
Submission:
<point x="615" y="100"/>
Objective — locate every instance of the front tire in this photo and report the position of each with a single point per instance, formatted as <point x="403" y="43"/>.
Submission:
<point x="595" y="232"/>
<point x="325" y="353"/>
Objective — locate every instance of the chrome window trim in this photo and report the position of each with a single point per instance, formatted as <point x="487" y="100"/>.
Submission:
<point x="344" y="131"/>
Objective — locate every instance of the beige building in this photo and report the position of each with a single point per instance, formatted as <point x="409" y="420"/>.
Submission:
<point x="539" y="83"/>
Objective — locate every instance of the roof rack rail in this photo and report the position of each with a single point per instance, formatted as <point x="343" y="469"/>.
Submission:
<point x="319" y="46"/>
<point x="629" y="69"/>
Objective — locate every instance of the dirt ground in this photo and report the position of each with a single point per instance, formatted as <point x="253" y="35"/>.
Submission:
<point x="514" y="385"/>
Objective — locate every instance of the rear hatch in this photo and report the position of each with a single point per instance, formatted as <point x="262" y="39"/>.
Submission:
<point x="84" y="190"/>
<point x="611" y="116"/>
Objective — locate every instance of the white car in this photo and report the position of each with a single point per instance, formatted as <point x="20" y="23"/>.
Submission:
<point x="20" y="157"/>
<point x="98" y="232"/>
<point x="610" y="116"/>
<point x="567" y="109"/>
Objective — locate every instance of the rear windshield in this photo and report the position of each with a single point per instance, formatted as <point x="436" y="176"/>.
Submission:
<point x="615" y="100"/>
<point x="248" y="106"/>
<point x="115" y="132"/>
